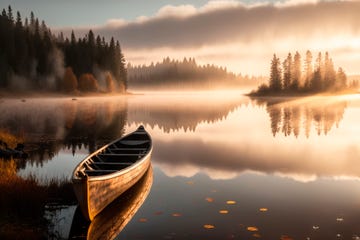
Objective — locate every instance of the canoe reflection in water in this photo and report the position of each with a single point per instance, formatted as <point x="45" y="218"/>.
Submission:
<point x="112" y="220"/>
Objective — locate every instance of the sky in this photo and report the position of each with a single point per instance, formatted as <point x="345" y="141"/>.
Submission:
<point x="241" y="35"/>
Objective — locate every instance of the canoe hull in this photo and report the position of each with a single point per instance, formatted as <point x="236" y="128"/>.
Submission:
<point x="96" y="192"/>
<point x="110" y="222"/>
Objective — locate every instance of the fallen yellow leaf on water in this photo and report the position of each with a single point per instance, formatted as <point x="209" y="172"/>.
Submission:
<point x="256" y="235"/>
<point x="190" y="182"/>
<point x="209" y="199"/>
<point x="285" y="237"/>
<point x="263" y="209"/>
<point x="176" y="214"/>
<point x="230" y="202"/>
<point x="252" y="229"/>
<point x="224" y="211"/>
<point x="209" y="226"/>
<point x="142" y="220"/>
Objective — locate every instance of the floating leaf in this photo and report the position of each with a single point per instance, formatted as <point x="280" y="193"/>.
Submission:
<point x="224" y="211"/>
<point x="316" y="227"/>
<point x="339" y="219"/>
<point x="252" y="229"/>
<point x="209" y="199"/>
<point x="190" y="182"/>
<point x="142" y="220"/>
<point x="263" y="209"/>
<point x="176" y="214"/>
<point x="231" y="202"/>
<point x="286" y="237"/>
<point x="256" y="235"/>
<point x="209" y="226"/>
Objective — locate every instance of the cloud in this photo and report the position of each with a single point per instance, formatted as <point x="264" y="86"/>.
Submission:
<point x="227" y="22"/>
<point x="176" y="11"/>
<point x="253" y="32"/>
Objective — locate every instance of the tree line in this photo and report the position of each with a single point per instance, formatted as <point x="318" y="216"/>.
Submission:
<point x="291" y="76"/>
<point x="32" y="58"/>
<point x="185" y="74"/>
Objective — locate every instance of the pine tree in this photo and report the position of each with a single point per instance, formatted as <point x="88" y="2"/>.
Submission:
<point x="287" y="72"/>
<point x="308" y="69"/>
<point x="122" y="69"/>
<point x="317" y="80"/>
<point x="315" y="84"/>
<point x="296" y="72"/>
<point x="18" y="23"/>
<point x="341" y="79"/>
<point x="275" y="75"/>
<point x="329" y="73"/>
<point x="10" y="15"/>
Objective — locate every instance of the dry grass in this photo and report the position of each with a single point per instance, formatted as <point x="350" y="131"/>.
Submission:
<point x="10" y="139"/>
<point x="22" y="202"/>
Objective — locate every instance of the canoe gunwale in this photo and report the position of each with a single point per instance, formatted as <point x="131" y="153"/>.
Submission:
<point x="75" y="177"/>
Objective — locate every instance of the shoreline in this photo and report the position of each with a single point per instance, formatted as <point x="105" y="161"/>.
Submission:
<point x="290" y="95"/>
<point x="31" y="94"/>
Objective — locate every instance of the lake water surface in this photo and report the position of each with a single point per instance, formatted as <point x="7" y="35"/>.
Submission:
<point x="224" y="166"/>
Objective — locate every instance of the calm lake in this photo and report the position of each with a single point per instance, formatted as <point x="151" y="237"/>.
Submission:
<point x="224" y="166"/>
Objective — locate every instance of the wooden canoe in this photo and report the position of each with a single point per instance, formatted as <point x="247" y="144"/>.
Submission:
<point x="108" y="224"/>
<point x="111" y="170"/>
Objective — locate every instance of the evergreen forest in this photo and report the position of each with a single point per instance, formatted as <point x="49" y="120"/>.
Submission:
<point x="185" y="74"/>
<point x="32" y="58"/>
<point x="292" y="77"/>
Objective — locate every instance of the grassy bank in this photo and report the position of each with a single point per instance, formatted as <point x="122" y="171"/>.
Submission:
<point x="23" y="201"/>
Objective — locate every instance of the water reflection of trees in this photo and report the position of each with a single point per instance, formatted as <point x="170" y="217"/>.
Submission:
<point x="289" y="116"/>
<point x="50" y="126"/>
<point x="178" y="113"/>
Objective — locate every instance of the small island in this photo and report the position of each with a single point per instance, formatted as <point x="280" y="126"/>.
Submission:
<point x="290" y="79"/>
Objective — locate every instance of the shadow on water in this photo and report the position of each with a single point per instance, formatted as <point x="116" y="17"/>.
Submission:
<point x="113" y="219"/>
